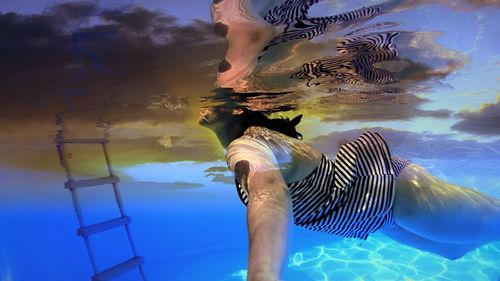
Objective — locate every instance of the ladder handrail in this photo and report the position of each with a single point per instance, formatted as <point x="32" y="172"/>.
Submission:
<point x="86" y="230"/>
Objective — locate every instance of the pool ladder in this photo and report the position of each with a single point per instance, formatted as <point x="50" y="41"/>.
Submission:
<point x="87" y="230"/>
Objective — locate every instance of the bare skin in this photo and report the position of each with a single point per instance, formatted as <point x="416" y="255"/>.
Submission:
<point x="269" y="209"/>
<point x="247" y="34"/>
<point x="444" y="212"/>
<point x="431" y="215"/>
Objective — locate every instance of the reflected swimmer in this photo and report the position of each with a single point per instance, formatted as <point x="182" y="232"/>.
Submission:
<point x="249" y="35"/>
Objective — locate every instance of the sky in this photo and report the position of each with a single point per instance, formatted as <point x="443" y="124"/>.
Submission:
<point x="143" y="66"/>
<point x="184" y="10"/>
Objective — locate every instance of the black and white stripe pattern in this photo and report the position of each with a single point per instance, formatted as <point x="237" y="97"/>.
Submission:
<point x="371" y="43"/>
<point x="294" y="14"/>
<point x="354" y="64"/>
<point x="351" y="196"/>
<point x="289" y="11"/>
<point x="398" y="164"/>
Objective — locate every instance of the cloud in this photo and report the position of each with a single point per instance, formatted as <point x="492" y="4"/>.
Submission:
<point x="220" y="174"/>
<point x="484" y="3"/>
<point x="218" y="169"/>
<point x="484" y="121"/>
<point x="109" y="66"/>
<point x="413" y="145"/>
<point x="422" y="66"/>
<point x="351" y="106"/>
<point x="460" y="5"/>
<point x="171" y="186"/>
<point x="113" y="57"/>
<point x="143" y="72"/>
<point x="221" y="178"/>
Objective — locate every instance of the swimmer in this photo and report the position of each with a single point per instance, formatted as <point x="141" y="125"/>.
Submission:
<point x="364" y="189"/>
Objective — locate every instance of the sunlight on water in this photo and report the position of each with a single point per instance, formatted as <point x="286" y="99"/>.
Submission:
<point x="379" y="258"/>
<point x="241" y="274"/>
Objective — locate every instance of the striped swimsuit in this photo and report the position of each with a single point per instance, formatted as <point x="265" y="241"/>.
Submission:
<point x="350" y="196"/>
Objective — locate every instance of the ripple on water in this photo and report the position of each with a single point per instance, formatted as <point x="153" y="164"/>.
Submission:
<point x="379" y="258"/>
<point x="385" y="274"/>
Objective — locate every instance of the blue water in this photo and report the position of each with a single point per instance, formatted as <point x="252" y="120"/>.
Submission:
<point x="199" y="234"/>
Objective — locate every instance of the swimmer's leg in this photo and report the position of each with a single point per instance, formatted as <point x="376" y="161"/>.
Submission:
<point x="247" y="34"/>
<point x="450" y="251"/>
<point x="443" y="212"/>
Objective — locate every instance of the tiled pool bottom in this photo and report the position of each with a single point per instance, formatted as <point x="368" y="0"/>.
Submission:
<point x="380" y="258"/>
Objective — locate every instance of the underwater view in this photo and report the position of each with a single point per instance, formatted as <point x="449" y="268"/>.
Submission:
<point x="250" y="140"/>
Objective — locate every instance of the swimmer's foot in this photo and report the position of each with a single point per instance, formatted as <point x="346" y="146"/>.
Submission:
<point x="247" y="34"/>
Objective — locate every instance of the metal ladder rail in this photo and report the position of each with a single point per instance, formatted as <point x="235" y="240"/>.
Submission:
<point x="119" y="202"/>
<point x="87" y="230"/>
<point x="74" y="197"/>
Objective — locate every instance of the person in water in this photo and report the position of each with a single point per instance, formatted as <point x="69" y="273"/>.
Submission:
<point x="362" y="190"/>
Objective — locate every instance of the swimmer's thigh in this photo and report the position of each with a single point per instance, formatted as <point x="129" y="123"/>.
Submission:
<point x="444" y="212"/>
<point x="447" y="250"/>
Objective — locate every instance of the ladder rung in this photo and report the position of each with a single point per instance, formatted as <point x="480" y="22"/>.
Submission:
<point x="73" y="184"/>
<point x="103" y="226"/>
<point x="118" y="269"/>
<point x="60" y="140"/>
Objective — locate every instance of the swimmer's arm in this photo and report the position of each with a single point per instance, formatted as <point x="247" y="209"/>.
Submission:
<point x="268" y="219"/>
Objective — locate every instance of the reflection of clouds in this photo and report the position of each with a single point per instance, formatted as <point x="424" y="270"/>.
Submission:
<point x="162" y="143"/>
<point x="484" y="121"/>
<point x="167" y="102"/>
<point x="217" y="169"/>
<point x="221" y="178"/>
<point x="118" y="58"/>
<point x="416" y="62"/>
<point x="169" y="186"/>
<point x="220" y="174"/>
<point x="130" y="143"/>
<point x="458" y="5"/>
<point x="353" y="106"/>
<point x="413" y="145"/>
<point x="185" y="174"/>
<point x="439" y="60"/>
<point x="120" y="54"/>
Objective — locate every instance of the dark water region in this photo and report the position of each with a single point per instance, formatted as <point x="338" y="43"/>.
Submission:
<point x="424" y="74"/>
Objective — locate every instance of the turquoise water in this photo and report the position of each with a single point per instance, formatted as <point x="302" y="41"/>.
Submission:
<point x="379" y="258"/>
<point x="140" y="71"/>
